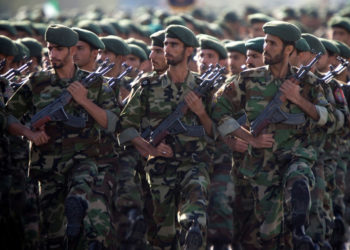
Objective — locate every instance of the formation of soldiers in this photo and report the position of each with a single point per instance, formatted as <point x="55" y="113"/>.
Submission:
<point x="175" y="132"/>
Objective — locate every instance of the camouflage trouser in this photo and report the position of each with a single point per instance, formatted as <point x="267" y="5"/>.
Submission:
<point x="179" y="192"/>
<point x="317" y="228"/>
<point x="71" y="178"/>
<point x="128" y="190"/>
<point x="245" y="221"/>
<point x="221" y="195"/>
<point x="338" y="193"/>
<point x="272" y="187"/>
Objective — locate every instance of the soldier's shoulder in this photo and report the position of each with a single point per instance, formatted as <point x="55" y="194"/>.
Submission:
<point x="41" y="74"/>
<point x="255" y="72"/>
<point x="150" y="79"/>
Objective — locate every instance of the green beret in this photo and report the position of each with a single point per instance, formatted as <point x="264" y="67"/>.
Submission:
<point x="285" y="31"/>
<point x="7" y="46"/>
<point x="259" y="18"/>
<point x="139" y="43"/>
<point x="302" y="45"/>
<point x="208" y="43"/>
<point x="344" y="49"/>
<point x="39" y="28"/>
<point x="89" y="37"/>
<point x="182" y="33"/>
<point x="174" y="20"/>
<point x="90" y="25"/>
<point x="340" y="22"/>
<point x="6" y="25"/>
<point x="230" y="17"/>
<point x="22" y="51"/>
<point x="315" y="44"/>
<point x="33" y="45"/>
<point x="158" y="38"/>
<point x="24" y="26"/>
<point x="61" y="35"/>
<point x="330" y="46"/>
<point x="289" y="13"/>
<point x="115" y="25"/>
<point x="116" y="45"/>
<point x="256" y="44"/>
<point x="107" y="28"/>
<point x="238" y="46"/>
<point x="138" y="51"/>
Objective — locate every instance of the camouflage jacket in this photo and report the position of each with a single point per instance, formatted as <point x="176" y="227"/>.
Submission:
<point x="44" y="87"/>
<point x="155" y="99"/>
<point x="251" y="91"/>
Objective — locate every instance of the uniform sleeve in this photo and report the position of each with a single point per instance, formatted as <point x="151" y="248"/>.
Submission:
<point x="226" y="105"/>
<point x="20" y="103"/>
<point x="324" y="109"/>
<point x="108" y="102"/>
<point x="131" y="115"/>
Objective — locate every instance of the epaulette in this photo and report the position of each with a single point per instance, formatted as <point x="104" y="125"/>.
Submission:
<point x="149" y="79"/>
<point x="255" y="72"/>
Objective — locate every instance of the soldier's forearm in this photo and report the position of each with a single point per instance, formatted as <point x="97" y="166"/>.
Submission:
<point x="308" y="108"/>
<point x="99" y="114"/>
<point x="207" y="123"/>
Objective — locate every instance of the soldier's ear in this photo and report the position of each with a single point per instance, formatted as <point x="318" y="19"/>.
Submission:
<point x="289" y="49"/>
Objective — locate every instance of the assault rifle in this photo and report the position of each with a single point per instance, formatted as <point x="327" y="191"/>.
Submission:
<point x="9" y="75"/>
<point x="273" y="113"/>
<point x="333" y="72"/>
<point x="113" y="82"/>
<point x="172" y="124"/>
<point x="55" y="110"/>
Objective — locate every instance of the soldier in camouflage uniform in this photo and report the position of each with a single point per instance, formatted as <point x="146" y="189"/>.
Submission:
<point x="221" y="188"/>
<point x="178" y="187"/>
<point x="280" y="177"/>
<point x="63" y="156"/>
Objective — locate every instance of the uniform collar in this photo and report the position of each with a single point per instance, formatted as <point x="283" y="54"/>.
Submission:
<point x="189" y="80"/>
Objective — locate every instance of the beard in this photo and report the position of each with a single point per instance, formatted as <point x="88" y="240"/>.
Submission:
<point x="57" y="64"/>
<point x="173" y="61"/>
<point x="272" y="60"/>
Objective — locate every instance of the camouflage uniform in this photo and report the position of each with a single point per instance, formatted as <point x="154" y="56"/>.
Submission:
<point x="272" y="172"/>
<point x="178" y="185"/>
<point x="66" y="165"/>
<point x="320" y="215"/>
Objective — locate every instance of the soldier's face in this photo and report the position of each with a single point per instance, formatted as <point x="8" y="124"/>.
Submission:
<point x="174" y="51"/>
<point x="235" y="61"/>
<point x="322" y="64"/>
<point x="84" y="54"/>
<point x="205" y="58"/>
<point x="59" y="56"/>
<point x="273" y="50"/>
<point x="340" y="34"/>
<point x="158" y="59"/>
<point x="256" y="30"/>
<point x="133" y="61"/>
<point x="254" y="59"/>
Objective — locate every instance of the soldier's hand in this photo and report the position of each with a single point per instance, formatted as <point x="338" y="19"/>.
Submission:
<point x="164" y="150"/>
<point x="263" y="141"/>
<point x="78" y="92"/>
<point x="236" y="144"/>
<point x="194" y="103"/>
<point x="291" y="91"/>
<point x="38" y="137"/>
